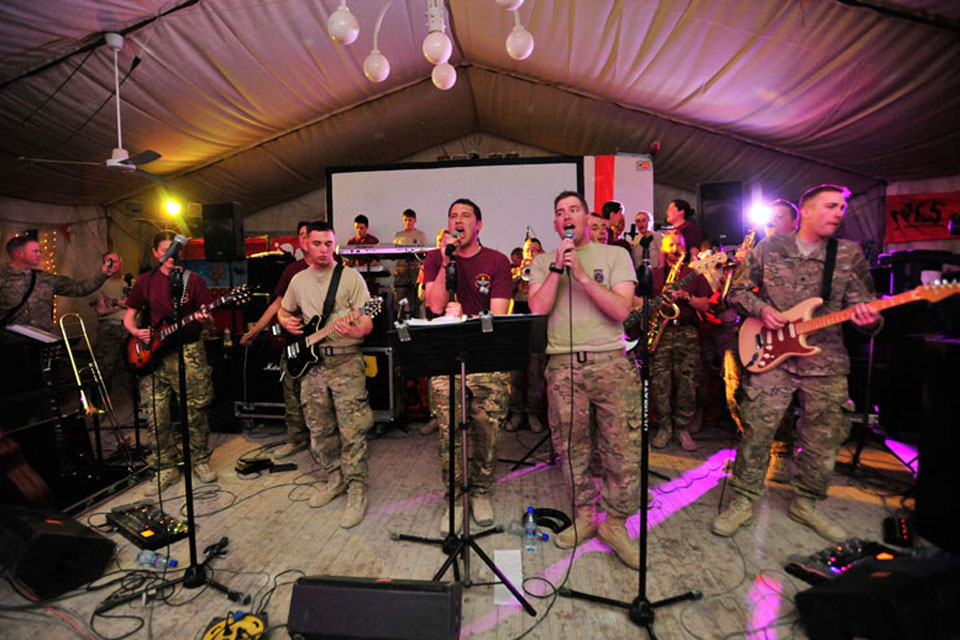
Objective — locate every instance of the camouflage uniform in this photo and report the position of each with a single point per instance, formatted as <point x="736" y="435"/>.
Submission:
<point x="162" y="387"/>
<point x="335" y="407"/>
<point x="109" y="349"/>
<point x="608" y="382"/>
<point x="784" y="277"/>
<point x="487" y="398"/>
<point x="37" y="311"/>
<point x="292" y="414"/>
<point x="675" y="362"/>
<point x="526" y="387"/>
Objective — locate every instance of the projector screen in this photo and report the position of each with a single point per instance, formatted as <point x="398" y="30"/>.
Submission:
<point x="512" y="194"/>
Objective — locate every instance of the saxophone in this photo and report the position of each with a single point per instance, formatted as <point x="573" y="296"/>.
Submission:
<point x="667" y="311"/>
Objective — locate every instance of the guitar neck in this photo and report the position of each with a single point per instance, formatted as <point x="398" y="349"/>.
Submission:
<point x="320" y="335"/>
<point x="176" y="326"/>
<point x="822" y="322"/>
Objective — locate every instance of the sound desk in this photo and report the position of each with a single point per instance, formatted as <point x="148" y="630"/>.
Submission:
<point x="146" y="526"/>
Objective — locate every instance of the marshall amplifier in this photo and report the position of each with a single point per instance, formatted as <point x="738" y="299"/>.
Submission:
<point x="327" y="607"/>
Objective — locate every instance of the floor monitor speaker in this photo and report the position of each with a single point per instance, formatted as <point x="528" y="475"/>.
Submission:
<point x="51" y="552"/>
<point x="323" y="607"/>
<point x="223" y="231"/>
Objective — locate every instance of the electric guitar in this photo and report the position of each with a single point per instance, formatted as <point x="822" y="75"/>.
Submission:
<point x="142" y="358"/>
<point x="763" y="349"/>
<point x="632" y="325"/>
<point x="301" y="351"/>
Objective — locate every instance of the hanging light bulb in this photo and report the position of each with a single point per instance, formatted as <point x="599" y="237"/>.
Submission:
<point x="444" y="76"/>
<point x="509" y="5"/>
<point x="342" y="26"/>
<point x="437" y="47"/>
<point x="520" y="41"/>
<point x="376" y="67"/>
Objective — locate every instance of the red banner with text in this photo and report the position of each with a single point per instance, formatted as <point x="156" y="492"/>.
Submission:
<point x="922" y="216"/>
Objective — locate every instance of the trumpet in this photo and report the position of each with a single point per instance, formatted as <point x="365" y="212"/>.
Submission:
<point x="523" y="271"/>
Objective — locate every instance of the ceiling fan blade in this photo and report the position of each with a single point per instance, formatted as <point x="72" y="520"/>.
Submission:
<point x="150" y="176"/>
<point x="52" y="161"/>
<point x="144" y="157"/>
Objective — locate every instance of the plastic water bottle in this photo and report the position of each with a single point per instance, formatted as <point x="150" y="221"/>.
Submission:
<point x="227" y="338"/>
<point x="148" y="558"/>
<point x="516" y="529"/>
<point x="531" y="541"/>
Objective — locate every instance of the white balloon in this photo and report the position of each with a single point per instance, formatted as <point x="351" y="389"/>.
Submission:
<point x="519" y="43"/>
<point x="509" y="5"/>
<point x="444" y="76"/>
<point x="376" y="67"/>
<point x="342" y="26"/>
<point x="437" y="47"/>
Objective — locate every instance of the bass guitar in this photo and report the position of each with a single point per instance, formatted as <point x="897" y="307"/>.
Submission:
<point x="301" y="351"/>
<point x="763" y="349"/>
<point x="632" y="326"/>
<point x="142" y="358"/>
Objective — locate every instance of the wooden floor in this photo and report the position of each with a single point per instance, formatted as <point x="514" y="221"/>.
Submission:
<point x="276" y="537"/>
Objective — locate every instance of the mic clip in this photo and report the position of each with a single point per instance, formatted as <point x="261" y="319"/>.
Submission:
<point x="403" y="331"/>
<point x="486" y="322"/>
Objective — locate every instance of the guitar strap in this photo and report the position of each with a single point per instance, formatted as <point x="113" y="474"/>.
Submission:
<point x="9" y="314"/>
<point x="828" y="266"/>
<point x="331" y="294"/>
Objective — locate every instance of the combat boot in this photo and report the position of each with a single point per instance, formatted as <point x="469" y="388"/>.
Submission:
<point x="737" y="514"/>
<point x="457" y="520"/>
<point x="583" y="528"/>
<point x="203" y="472"/>
<point x="660" y="439"/>
<point x="356" y="505"/>
<point x="482" y="509"/>
<point x="333" y="487"/>
<point x="806" y="511"/>
<point x="613" y="533"/>
<point x="288" y="449"/>
<point x="534" y="422"/>
<point x="778" y="470"/>
<point x="168" y="477"/>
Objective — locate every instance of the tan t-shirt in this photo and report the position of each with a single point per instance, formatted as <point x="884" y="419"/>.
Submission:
<point x="410" y="237"/>
<point x="593" y="330"/>
<point x="308" y="290"/>
<point x="112" y="290"/>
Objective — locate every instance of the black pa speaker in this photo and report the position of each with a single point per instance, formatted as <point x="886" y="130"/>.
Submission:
<point x="721" y="211"/>
<point x="50" y="552"/>
<point x="902" y="598"/>
<point x="327" y="607"/>
<point x="223" y="231"/>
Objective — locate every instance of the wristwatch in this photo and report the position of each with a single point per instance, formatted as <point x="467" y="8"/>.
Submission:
<point x="555" y="268"/>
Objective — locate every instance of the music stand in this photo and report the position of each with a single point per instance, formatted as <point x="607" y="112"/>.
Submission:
<point x="489" y="343"/>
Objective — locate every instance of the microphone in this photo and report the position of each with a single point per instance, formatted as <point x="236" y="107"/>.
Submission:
<point x="452" y="247"/>
<point x="178" y="243"/>
<point x="568" y="234"/>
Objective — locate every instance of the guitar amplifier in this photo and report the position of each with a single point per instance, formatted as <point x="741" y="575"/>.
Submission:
<point x="384" y="385"/>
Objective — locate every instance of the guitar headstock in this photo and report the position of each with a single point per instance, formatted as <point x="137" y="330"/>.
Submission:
<point x="238" y="295"/>
<point x="709" y="261"/>
<point x="937" y="291"/>
<point x="372" y="306"/>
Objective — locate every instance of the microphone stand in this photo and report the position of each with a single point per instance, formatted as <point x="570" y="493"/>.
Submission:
<point x="196" y="574"/>
<point x="641" y="611"/>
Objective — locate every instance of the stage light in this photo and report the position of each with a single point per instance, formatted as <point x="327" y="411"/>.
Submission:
<point x="519" y="42"/>
<point x="342" y="26"/>
<point x="758" y="215"/>
<point x="172" y="207"/>
<point x="437" y="47"/>
<point x="444" y="76"/>
<point x="376" y="67"/>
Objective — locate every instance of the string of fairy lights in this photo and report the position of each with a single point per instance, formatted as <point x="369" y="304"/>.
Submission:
<point x="47" y="238"/>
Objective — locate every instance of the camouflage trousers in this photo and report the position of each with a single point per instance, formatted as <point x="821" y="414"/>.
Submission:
<point x="783" y="438"/>
<point x="486" y="410"/>
<point x="823" y="426"/>
<point x="333" y="396"/>
<point x="526" y="387"/>
<point x="608" y="383"/>
<point x="675" y="367"/>
<point x="109" y="350"/>
<point x="292" y="412"/>
<point x="162" y="387"/>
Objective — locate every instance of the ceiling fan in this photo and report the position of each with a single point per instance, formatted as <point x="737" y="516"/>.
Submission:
<point x="120" y="158"/>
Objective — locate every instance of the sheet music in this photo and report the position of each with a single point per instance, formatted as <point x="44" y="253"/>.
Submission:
<point x="34" y="333"/>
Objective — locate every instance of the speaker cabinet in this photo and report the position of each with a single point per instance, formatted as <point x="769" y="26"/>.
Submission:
<point x="50" y="552"/>
<point x="721" y="211"/>
<point x="223" y="231"/>
<point x="327" y="607"/>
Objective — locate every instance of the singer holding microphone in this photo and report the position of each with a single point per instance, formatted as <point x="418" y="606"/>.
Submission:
<point x="151" y="294"/>
<point x="465" y="278"/>
<point x="587" y="290"/>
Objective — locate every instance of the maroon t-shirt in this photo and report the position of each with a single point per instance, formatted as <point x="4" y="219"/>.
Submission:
<point x="698" y="286"/>
<point x="156" y="287"/>
<point x="692" y="236"/>
<point x="488" y="268"/>
<point x="291" y="270"/>
<point x="367" y="239"/>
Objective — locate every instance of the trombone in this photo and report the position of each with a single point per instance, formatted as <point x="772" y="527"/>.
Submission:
<point x="89" y="375"/>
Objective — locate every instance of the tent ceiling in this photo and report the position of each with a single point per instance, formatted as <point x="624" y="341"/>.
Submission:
<point x="251" y="100"/>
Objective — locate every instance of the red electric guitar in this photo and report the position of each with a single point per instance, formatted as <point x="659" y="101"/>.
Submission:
<point x="142" y="358"/>
<point x="763" y="349"/>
